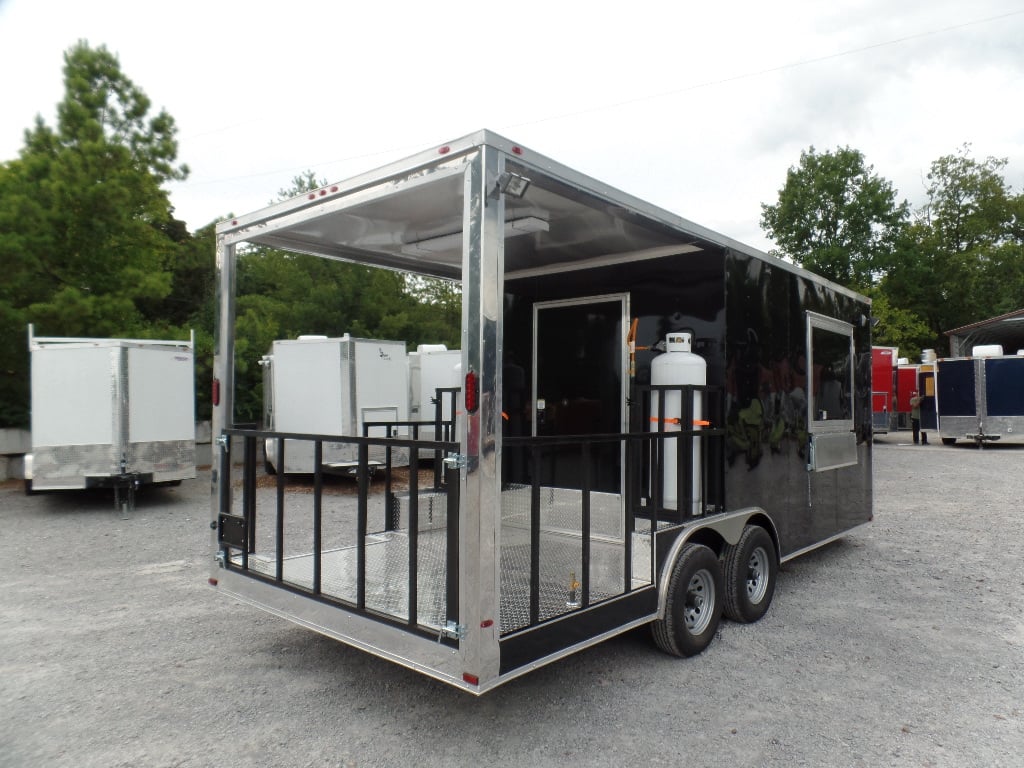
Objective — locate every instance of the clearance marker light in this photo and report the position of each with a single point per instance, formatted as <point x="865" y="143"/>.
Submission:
<point x="470" y="678"/>
<point x="216" y="391"/>
<point x="472" y="392"/>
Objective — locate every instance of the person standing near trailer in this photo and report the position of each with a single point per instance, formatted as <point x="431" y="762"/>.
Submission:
<point x="915" y="418"/>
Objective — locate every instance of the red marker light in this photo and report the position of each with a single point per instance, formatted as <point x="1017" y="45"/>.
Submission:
<point x="444" y="150"/>
<point x="213" y="581"/>
<point x="517" y="150"/>
<point x="471" y="679"/>
<point x="216" y="391"/>
<point x="472" y="390"/>
<point x="311" y="196"/>
<point x="487" y="623"/>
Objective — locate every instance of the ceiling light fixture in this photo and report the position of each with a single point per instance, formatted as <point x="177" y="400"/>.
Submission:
<point x="443" y="243"/>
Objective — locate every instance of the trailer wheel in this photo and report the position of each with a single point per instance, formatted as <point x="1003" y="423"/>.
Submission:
<point x="750" y="569"/>
<point x="267" y="466"/>
<point x="693" y="607"/>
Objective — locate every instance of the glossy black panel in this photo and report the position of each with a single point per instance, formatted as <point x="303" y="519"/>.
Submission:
<point x="749" y="321"/>
<point x="528" y="646"/>
<point x="767" y="413"/>
<point x="665" y="294"/>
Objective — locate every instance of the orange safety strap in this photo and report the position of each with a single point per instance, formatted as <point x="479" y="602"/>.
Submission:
<point x="696" y="422"/>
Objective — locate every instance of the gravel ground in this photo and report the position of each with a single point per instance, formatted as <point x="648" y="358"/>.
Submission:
<point x="900" y="645"/>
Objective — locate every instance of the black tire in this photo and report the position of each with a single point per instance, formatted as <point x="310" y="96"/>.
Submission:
<point x="693" y="605"/>
<point x="949" y="441"/>
<point x="267" y="466"/>
<point x="750" y="566"/>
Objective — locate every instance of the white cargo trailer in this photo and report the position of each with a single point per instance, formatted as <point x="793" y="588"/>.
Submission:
<point x="336" y="386"/>
<point x="114" y="413"/>
<point x="433" y="379"/>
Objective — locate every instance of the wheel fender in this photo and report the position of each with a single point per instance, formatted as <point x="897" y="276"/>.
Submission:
<point x="728" y="526"/>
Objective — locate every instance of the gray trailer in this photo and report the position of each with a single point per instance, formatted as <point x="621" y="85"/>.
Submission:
<point x="980" y="397"/>
<point x="114" y="413"/>
<point x="652" y="418"/>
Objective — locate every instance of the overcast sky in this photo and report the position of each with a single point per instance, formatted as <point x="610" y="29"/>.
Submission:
<point x="698" y="110"/>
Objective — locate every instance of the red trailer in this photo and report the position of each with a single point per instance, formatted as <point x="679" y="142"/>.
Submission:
<point x="883" y="389"/>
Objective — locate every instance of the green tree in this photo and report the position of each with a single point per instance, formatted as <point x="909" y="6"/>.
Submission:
<point x="898" y="327"/>
<point x="836" y="217"/>
<point x="86" y="230"/>
<point x="963" y="259"/>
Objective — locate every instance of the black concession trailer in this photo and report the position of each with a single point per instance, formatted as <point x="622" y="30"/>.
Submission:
<point x="650" y="418"/>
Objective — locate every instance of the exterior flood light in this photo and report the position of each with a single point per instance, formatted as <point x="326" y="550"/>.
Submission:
<point x="513" y="184"/>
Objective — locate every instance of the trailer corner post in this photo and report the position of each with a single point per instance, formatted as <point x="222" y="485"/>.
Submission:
<point x="480" y="540"/>
<point x="223" y="375"/>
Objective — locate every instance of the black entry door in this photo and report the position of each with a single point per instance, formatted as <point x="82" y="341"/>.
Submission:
<point x="578" y="385"/>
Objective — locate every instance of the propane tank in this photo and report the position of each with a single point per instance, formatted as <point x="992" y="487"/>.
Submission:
<point x="676" y="366"/>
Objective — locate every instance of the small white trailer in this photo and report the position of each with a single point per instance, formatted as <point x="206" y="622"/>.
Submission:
<point x="434" y="378"/>
<point x="337" y="386"/>
<point x="110" y="413"/>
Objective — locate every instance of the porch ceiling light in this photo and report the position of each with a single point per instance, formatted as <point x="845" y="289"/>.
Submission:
<point x="450" y="242"/>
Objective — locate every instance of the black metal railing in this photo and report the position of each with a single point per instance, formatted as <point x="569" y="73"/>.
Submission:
<point x="445" y="400"/>
<point x="239" y="525"/>
<point x="649" y="411"/>
<point x="577" y="462"/>
<point x="637" y="460"/>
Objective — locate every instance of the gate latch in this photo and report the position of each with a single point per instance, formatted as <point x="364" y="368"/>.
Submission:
<point x="455" y="461"/>
<point x="451" y="629"/>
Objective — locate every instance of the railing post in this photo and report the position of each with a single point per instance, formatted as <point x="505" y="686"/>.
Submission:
<point x="453" y="487"/>
<point x="318" y="487"/>
<point x="535" y="536"/>
<point x="414" y="531"/>
<point x="249" y="496"/>
<point x="364" y="485"/>
<point x="438" y="413"/>
<point x="585" y="459"/>
<point x="279" y="550"/>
